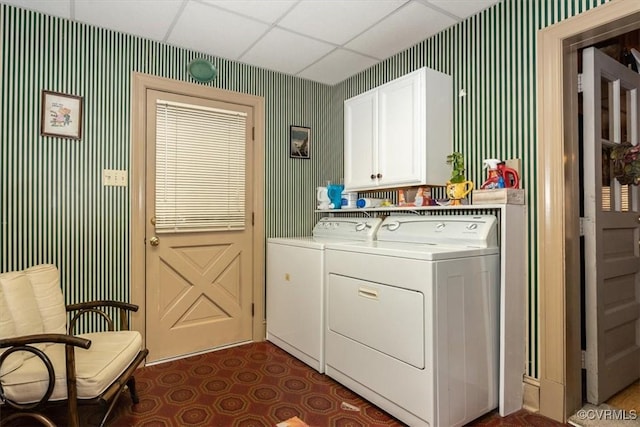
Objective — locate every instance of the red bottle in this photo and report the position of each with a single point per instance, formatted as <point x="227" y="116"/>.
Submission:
<point x="510" y="176"/>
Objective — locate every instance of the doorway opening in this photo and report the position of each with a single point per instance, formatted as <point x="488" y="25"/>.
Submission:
<point x="558" y="194"/>
<point x="226" y="286"/>
<point x="609" y="279"/>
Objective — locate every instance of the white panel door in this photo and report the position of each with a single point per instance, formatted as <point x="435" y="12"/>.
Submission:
<point x="612" y="228"/>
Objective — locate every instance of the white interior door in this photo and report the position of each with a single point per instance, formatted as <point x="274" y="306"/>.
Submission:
<point x="198" y="273"/>
<point x="611" y="227"/>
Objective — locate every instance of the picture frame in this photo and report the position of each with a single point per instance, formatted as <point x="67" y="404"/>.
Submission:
<point x="61" y="115"/>
<point x="299" y="142"/>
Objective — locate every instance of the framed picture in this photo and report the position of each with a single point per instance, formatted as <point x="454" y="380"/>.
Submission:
<point x="299" y="142"/>
<point x="61" y="115"/>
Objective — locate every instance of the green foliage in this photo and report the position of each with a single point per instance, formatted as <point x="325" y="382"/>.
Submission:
<point x="626" y="163"/>
<point x="456" y="160"/>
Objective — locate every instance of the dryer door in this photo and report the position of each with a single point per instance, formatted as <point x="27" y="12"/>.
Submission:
<point x="385" y="318"/>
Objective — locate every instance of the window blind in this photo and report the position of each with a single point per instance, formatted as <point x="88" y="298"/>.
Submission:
<point x="200" y="168"/>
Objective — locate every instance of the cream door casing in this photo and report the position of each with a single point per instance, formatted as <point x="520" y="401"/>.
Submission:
<point x="612" y="229"/>
<point x="198" y="284"/>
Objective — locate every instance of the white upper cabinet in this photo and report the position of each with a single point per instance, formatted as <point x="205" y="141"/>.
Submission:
<point x="361" y="123"/>
<point x="399" y="134"/>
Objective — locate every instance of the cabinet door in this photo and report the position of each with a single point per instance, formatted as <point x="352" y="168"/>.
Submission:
<point x="402" y="131"/>
<point x="360" y="141"/>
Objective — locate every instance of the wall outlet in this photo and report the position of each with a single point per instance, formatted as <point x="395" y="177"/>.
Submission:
<point x="114" y="177"/>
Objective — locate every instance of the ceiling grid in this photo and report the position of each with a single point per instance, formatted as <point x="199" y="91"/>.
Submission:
<point x="321" y="40"/>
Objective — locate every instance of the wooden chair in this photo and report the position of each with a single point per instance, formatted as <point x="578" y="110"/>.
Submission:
<point x="42" y="361"/>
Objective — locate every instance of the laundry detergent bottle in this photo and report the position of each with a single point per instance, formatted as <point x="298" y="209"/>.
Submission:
<point x="511" y="178"/>
<point x="494" y="177"/>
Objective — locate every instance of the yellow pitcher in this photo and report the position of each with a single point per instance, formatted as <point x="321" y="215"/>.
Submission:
<point x="458" y="191"/>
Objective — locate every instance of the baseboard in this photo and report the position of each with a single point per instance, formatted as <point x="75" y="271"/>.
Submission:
<point x="531" y="394"/>
<point x="552" y="400"/>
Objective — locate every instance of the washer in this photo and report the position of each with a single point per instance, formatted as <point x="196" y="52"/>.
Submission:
<point x="412" y="318"/>
<point x="295" y="285"/>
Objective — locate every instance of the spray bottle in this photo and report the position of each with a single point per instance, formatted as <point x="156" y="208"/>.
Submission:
<point x="494" y="177"/>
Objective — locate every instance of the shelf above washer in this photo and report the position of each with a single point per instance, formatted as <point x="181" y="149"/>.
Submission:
<point x="411" y="208"/>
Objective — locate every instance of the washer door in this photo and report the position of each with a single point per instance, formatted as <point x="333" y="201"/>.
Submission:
<point x="294" y="301"/>
<point x="385" y="318"/>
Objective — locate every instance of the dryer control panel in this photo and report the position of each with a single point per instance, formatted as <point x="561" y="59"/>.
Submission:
<point x="360" y="229"/>
<point x="464" y="230"/>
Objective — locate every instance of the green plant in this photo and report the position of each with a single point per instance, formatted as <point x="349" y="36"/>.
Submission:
<point x="456" y="160"/>
<point x="626" y="163"/>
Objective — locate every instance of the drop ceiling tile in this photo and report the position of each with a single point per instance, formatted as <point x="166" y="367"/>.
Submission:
<point x="61" y="8"/>
<point x="293" y="30"/>
<point x="268" y="11"/>
<point x="337" y="66"/>
<point x="463" y="8"/>
<point x="401" y="30"/>
<point x="211" y="30"/>
<point x="337" y="21"/>
<point x="126" y="16"/>
<point x="286" y="52"/>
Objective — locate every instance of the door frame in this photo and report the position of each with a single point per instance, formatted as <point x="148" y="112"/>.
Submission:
<point x="558" y="196"/>
<point x="140" y="83"/>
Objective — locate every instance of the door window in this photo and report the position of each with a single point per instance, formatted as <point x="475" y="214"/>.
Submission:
<point x="200" y="168"/>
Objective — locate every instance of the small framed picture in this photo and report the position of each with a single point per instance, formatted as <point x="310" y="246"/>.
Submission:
<point x="300" y="142"/>
<point x="61" y="115"/>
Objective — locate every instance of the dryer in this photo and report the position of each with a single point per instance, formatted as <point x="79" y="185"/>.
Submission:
<point x="295" y="285"/>
<point x="412" y="318"/>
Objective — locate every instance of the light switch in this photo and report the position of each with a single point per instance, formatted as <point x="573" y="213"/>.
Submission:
<point x="114" y="177"/>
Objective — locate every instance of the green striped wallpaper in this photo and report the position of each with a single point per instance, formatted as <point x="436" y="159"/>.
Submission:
<point x="491" y="57"/>
<point x="54" y="208"/>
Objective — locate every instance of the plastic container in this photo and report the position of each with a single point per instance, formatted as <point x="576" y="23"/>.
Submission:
<point x="369" y="203"/>
<point x="334" y="191"/>
<point x="349" y="200"/>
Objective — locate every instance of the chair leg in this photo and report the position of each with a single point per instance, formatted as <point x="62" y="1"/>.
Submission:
<point x="131" y="383"/>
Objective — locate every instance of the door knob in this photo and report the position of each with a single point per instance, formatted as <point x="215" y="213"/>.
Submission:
<point x="154" y="241"/>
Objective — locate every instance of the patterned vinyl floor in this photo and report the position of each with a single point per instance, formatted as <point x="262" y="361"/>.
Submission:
<point x="253" y="385"/>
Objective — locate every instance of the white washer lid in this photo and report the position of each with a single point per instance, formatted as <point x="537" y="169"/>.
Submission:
<point x="310" y="242"/>
<point x="304" y="242"/>
<point x="427" y="252"/>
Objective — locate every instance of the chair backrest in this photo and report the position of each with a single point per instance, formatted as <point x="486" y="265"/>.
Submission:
<point x="31" y="302"/>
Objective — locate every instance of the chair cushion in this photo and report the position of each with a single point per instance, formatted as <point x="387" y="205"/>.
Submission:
<point x="21" y="300"/>
<point x="8" y="330"/>
<point x="19" y="295"/>
<point x="97" y="367"/>
<point x="45" y="281"/>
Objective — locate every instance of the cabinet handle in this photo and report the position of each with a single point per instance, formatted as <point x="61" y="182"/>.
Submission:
<point x="373" y="176"/>
<point x="379" y="175"/>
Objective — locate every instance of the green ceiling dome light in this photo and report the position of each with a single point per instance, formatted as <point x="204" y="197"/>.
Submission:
<point x="202" y="70"/>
